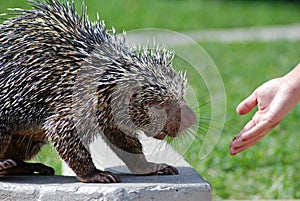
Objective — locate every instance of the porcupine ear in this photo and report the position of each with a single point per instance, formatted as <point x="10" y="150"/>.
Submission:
<point x="133" y="91"/>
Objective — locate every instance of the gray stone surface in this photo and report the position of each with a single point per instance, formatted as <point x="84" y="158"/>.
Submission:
<point x="188" y="185"/>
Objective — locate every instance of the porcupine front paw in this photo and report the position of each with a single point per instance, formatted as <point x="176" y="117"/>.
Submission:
<point x="101" y="177"/>
<point x="154" y="168"/>
<point x="12" y="167"/>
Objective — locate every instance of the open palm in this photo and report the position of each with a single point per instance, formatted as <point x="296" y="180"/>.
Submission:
<point x="274" y="100"/>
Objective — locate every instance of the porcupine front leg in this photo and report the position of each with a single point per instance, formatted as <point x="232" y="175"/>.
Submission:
<point x="130" y="150"/>
<point x="62" y="133"/>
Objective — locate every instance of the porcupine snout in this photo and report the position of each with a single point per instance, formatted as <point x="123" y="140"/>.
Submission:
<point x="188" y="118"/>
<point x="179" y="119"/>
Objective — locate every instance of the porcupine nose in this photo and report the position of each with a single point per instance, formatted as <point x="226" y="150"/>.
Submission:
<point x="188" y="118"/>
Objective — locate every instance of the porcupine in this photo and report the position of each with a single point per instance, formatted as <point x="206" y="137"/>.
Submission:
<point x="49" y="56"/>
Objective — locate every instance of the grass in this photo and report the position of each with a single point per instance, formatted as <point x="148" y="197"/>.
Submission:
<point x="180" y="15"/>
<point x="270" y="169"/>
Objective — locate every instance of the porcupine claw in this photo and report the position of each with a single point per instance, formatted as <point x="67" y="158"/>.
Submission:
<point x="101" y="177"/>
<point x="6" y="164"/>
<point x="154" y="168"/>
<point x="169" y="170"/>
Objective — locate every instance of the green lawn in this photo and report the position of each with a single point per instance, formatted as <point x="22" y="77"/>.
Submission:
<point x="270" y="169"/>
<point x="184" y="14"/>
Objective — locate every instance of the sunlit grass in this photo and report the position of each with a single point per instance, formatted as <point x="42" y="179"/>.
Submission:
<point x="268" y="170"/>
<point x="180" y="15"/>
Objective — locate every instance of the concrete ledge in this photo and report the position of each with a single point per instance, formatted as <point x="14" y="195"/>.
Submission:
<point x="188" y="185"/>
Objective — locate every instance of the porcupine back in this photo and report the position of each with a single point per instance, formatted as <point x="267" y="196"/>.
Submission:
<point x="47" y="51"/>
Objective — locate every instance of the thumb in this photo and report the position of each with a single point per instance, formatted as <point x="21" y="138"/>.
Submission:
<point x="247" y="105"/>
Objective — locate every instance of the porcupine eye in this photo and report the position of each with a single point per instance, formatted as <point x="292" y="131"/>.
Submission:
<point x="158" y="105"/>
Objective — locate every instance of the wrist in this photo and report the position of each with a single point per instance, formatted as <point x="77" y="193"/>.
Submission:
<point x="292" y="79"/>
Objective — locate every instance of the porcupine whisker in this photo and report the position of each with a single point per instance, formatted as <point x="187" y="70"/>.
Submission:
<point x="158" y="146"/>
<point x="193" y="133"/>
<point x="160" y="149"/>
<point x="205" y="100"/>
<point x="198" y="136"/>
<point x="168" y="152"/>
<point x="207" y="122"/>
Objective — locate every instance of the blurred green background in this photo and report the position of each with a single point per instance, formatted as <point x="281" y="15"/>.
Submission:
<point x="182" y="15"/>
<point x="269" y="170"/>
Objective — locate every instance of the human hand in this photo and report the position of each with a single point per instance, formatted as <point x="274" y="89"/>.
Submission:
<point x="275" y="99"/>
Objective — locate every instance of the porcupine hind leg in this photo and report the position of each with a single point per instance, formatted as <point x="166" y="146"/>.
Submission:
<point x="15" y="167"/>
<point x="130" y="150"/>
<point x="15" y="149"/>
<point x="62" y="133"/>
<point x="5" y="139"/>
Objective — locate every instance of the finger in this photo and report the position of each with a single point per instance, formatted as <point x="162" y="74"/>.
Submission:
<point x="246" y="128"/>
<point x="247" y="136"/>
<point x="243" y="145"/>
<point x="247" y="105"/>
<point x="250" y="137"/>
